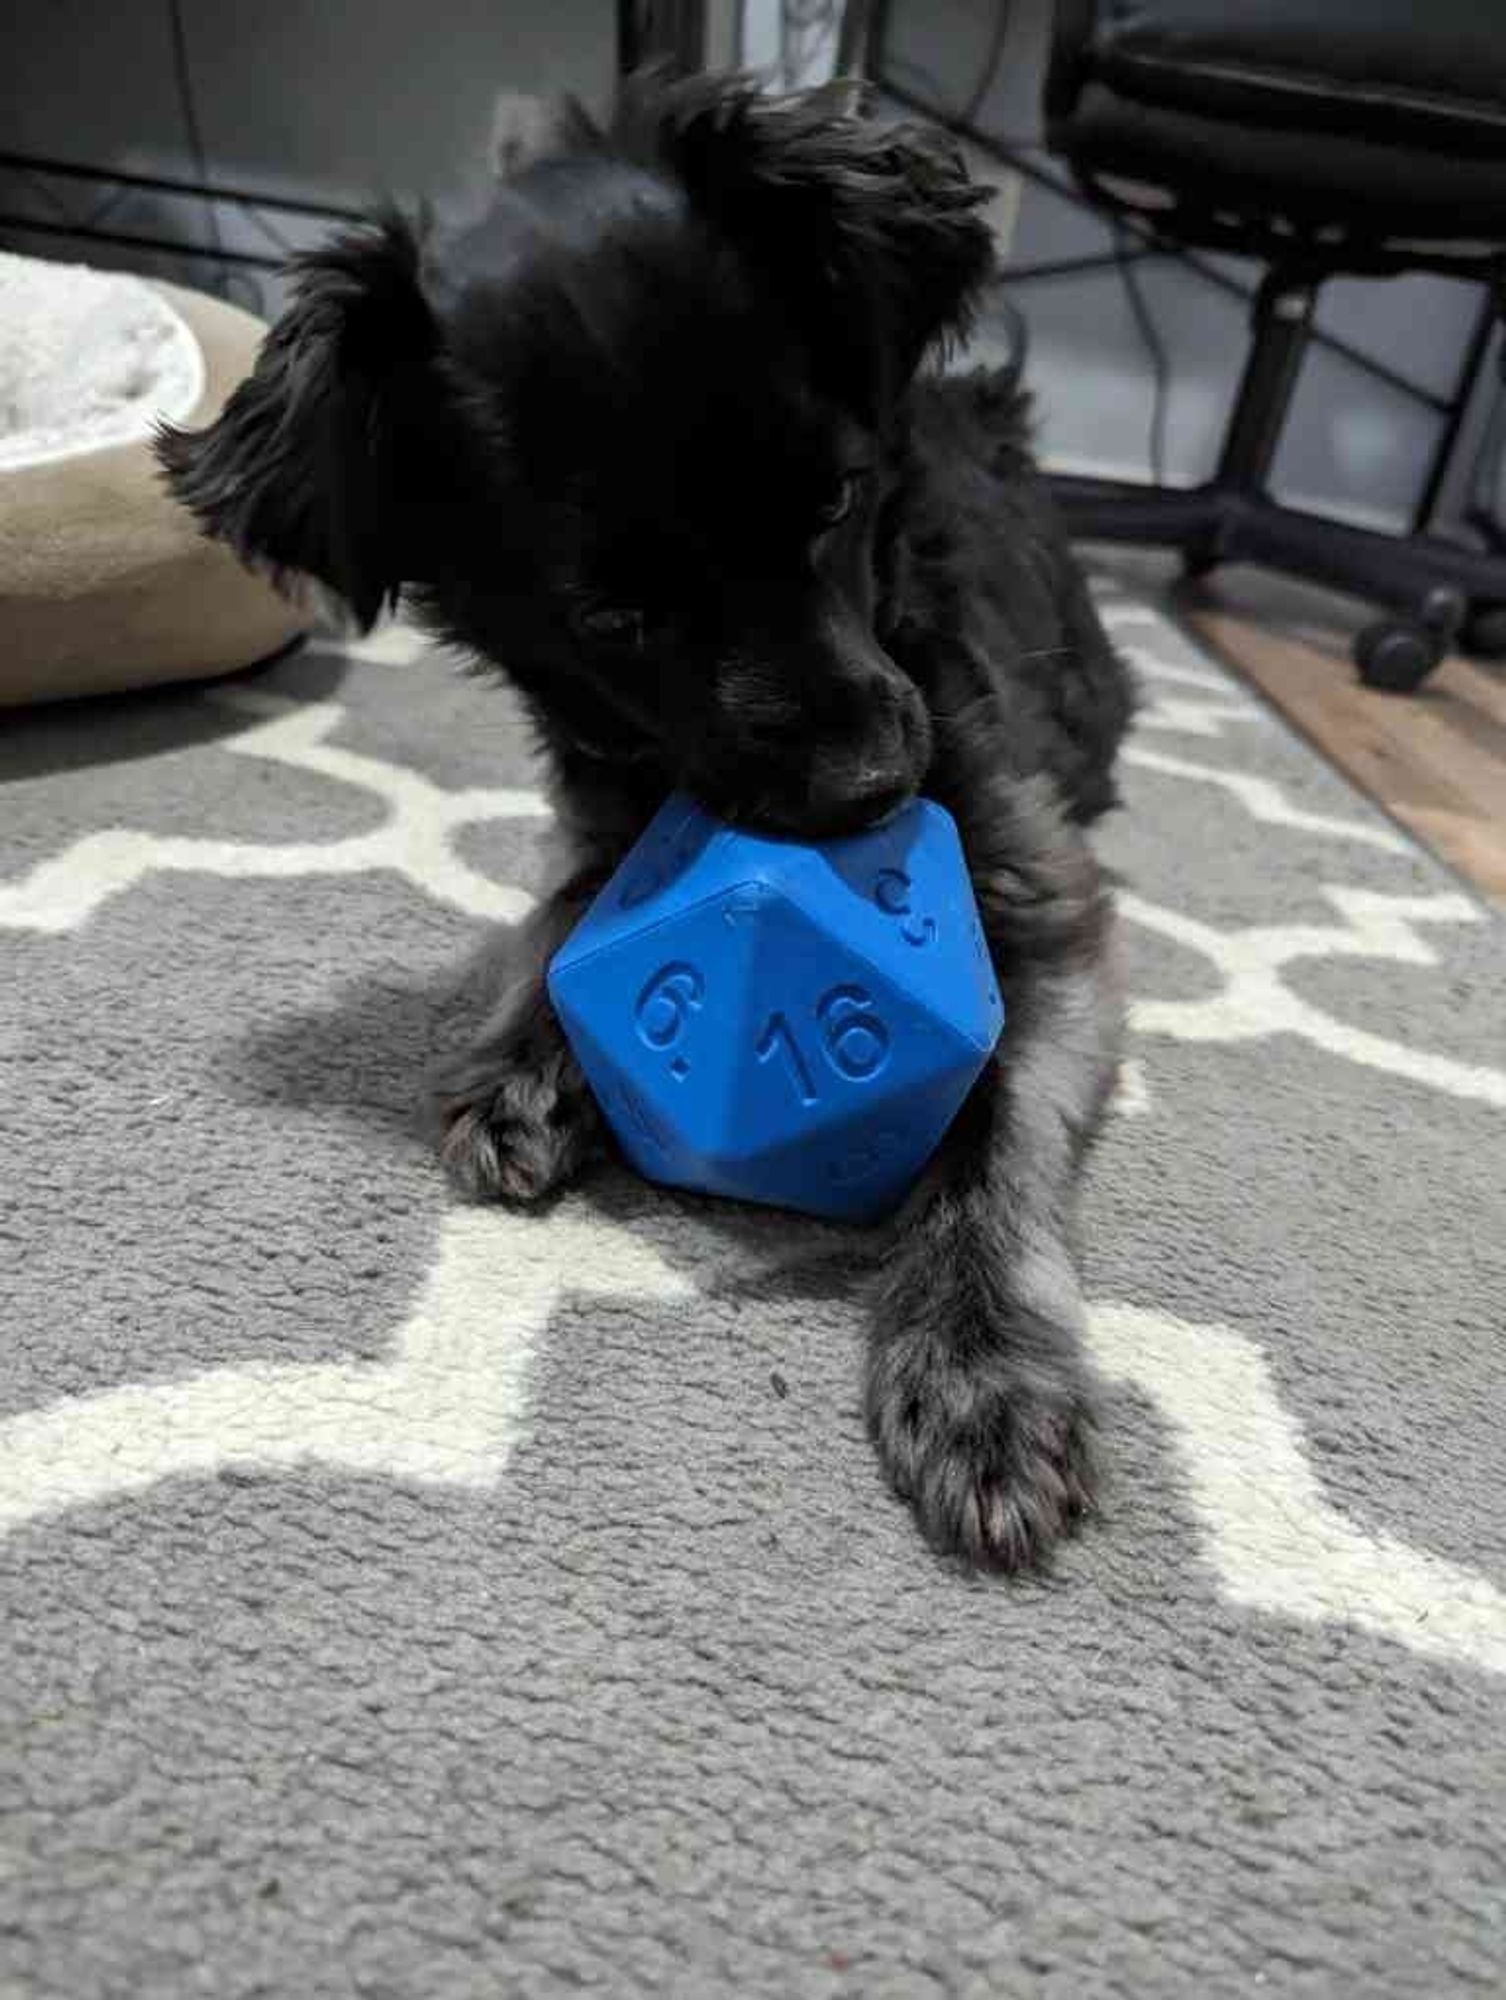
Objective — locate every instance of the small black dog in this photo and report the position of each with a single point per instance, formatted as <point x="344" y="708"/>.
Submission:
<point x="650" y="438"/>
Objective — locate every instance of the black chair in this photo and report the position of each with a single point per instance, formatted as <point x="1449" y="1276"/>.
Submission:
<point x="1321" y="137"/>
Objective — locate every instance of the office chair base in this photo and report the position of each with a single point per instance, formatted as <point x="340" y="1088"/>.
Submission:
<point x="1437" y="589"/>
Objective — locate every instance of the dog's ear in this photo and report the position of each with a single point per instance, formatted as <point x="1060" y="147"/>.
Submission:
<point x="302" y="472"/>
<point x="868" y="230"/>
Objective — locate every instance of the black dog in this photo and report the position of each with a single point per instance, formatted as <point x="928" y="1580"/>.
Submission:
<point x="650" y="438"/>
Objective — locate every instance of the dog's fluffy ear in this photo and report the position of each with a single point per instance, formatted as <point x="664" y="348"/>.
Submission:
<point x="301" y="473"/>
<point x="868" y="230"/>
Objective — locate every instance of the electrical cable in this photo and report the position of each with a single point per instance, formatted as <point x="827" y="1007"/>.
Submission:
<point x="929" y="102"/>
<point x="893" y="70"/>
<point x="1155" y="347"/>
<point x="990" y="68"/>
<point x="1485" y="478"/>
<point x="273" y="234"/>
<point x="188" y="107"/>
<point x="1124" y="258"/>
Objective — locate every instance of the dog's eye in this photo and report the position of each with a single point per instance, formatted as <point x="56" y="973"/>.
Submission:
<point x="846" y="497"/>
<point x="609" y="625"/>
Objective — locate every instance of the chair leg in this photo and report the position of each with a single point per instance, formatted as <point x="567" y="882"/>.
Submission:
<point x="1193" y="520"/>
<point x="1117" y="510"/>
<point x="1430" y="588"/>
<point x="1280" y="321"/>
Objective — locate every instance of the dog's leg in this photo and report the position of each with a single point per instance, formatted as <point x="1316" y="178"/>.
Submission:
<point x="519" y="1118"/>
<point x="977" y="1396"/>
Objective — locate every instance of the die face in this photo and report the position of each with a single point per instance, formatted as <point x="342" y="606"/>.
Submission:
<point x="649" y="1141"/>
<point x="900" y="897"/>
<point x="651" y="1017"/>
<point x="825" y="1041"/>
<point x="682" y="857"/>
<point x="736" y="1048"/>
<point x="860" y="1166"/>
<point x="782" y="1023"/>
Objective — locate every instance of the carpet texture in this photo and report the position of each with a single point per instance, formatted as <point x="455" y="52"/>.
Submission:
<point x="413" y="1602"/>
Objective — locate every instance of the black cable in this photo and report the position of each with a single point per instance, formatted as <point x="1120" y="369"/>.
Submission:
<point x="1141" y="231"/>
<point x="48" y="193"/>
<point x="1483" y="503"/>
<point x="929" y="103"/>
<point x="965" y="120"/>
<point x="1155" y="347"/>
<point x="923" y="76"/>
<point x="131" y="240"/>
<point x="990" y="69"/>
<point x="1485" y="479"/>
<point x="321" y="211"/>
<point x="188" y="106"/>
<point x="1019" y="336"/>
<point x="256" y="297"/>
<point x="273" y="234"/>
<point x="854" y="36"/>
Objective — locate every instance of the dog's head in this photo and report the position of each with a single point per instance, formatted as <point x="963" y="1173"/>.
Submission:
<point x="625" y="437"/>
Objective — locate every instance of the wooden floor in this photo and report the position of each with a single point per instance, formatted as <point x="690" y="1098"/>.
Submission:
<point x="1435" y="760"/>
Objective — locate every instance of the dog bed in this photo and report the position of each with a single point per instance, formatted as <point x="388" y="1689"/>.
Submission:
<point x="105" y="582"/>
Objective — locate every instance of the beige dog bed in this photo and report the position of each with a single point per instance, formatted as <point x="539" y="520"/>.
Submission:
<point x="105" y="582"/>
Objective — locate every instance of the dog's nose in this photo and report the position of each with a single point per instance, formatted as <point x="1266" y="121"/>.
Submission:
<point x="851" y="788"/>
<point x="838" y="806"/>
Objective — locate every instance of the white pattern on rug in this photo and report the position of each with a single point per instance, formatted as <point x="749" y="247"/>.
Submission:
<point x="1261" y="797"/>
<point x="1131" y="1098"/>
<point x="450" y="1404"/>
<point x="1277" y="1543"/>
<point x="446" y="1407"/>
<point x="1264" y="800"/>
<point x="1195" y="715"/>
<point x="1255" y="1002"/>
<point x="414" y="841"/>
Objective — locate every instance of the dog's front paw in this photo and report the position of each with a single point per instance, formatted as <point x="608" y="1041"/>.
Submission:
<point x="993" y="1452"/>
<point x="517" y="1127"/>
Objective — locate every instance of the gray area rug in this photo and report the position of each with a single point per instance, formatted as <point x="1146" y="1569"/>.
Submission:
<point x="415" y="1602"/>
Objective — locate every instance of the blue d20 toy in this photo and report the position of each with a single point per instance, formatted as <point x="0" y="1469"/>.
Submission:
<point x="780" y="1022"/>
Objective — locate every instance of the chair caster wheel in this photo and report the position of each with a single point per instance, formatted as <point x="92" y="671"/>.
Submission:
<point x="1484" y="632"/>
<point x="1397" y="654"/>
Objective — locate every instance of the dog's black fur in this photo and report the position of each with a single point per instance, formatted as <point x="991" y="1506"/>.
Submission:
<point x="650" y="438"/>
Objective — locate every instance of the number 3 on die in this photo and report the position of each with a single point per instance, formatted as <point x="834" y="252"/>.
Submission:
<point x="891" y="891"/>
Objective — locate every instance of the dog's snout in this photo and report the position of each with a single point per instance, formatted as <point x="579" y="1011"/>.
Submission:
<point x="813" y="733"/>
<point x="864" y="780"/>
<point x="868" y="803"/>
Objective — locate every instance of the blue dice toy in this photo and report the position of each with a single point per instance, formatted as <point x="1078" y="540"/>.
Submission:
<point x="780" y="1022"/>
